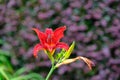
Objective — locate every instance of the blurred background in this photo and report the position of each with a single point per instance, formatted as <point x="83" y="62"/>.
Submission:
<point x="93" y="24"/>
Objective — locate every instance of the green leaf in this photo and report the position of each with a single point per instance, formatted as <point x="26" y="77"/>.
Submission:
<point x="1" y="41"/>
<point x="4" y="53"/>
<point x="2" y="72"/>
<point x="4" y="60"/>
<point x="32" y="76"/>
<point x="69" y="51"/>
<point x="20" y="71"/>
<point x="60" y="55"/>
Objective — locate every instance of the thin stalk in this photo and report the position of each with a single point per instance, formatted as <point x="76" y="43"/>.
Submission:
<point x="49" y="74"/>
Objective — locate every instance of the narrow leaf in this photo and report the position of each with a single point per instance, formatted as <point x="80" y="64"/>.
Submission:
<point x="69" y="51"/>
<point x="2" y="72"/>
<point x="20" y="71"/>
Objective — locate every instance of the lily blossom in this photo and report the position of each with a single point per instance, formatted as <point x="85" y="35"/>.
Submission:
<point x="50" y="40"/>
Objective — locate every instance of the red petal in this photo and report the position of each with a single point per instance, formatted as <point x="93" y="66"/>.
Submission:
<point x="40" y="35"/>
<point x="36" y="49"/>
<point x="58" y="33"/>
<point x="49" y="33"/>
<point x="62" y="45"/>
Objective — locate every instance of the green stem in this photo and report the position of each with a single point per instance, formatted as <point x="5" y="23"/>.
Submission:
<point x="49" y="74"/>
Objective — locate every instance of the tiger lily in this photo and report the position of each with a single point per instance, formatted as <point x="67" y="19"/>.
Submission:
<point x="50" y="40"/>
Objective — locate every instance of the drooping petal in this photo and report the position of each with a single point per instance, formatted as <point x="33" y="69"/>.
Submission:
<point x="36" y="49"/>
<point x="62" y="45"/>
<point x="58" y="33"/>
<point x="68" y="61"/>
<point x="87" y="61"/>
<point x="40" y="35"/>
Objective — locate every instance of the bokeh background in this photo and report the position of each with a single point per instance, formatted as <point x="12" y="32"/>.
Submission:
<point x="93" y="24"/>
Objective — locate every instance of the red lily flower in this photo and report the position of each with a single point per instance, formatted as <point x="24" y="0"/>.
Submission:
<point x="50" y="40"/>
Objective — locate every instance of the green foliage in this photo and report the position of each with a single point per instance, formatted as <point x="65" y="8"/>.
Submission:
<point x="68" y="53"/>
<point x="60" y="55"/>
<point x="8" y="73"/>
<point x="63" y="55"/>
